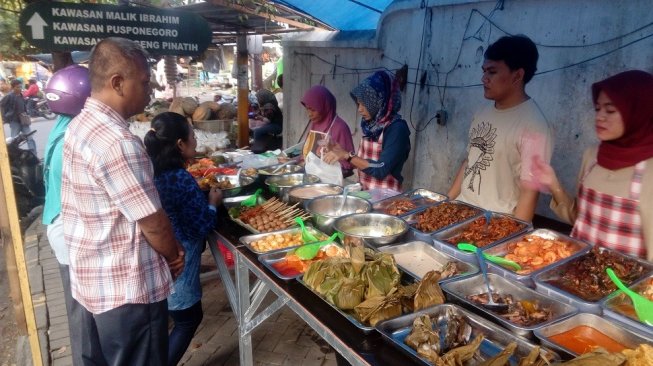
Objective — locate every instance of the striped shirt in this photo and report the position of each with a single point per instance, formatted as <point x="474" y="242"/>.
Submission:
<point x="107" y="185"/>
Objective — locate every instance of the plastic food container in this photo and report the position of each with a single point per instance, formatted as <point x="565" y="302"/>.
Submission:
<point x="501" y="250"/>
<point x="441" y="238"/>
<point x="459" y="290"/>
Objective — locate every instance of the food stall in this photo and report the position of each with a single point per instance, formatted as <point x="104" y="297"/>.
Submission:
<point x="556" y="292"/>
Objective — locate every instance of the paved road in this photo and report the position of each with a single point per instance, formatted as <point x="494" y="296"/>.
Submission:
<point x="42" y="127"/>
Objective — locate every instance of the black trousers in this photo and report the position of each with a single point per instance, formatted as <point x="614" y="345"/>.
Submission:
<point x="133" y="334"/>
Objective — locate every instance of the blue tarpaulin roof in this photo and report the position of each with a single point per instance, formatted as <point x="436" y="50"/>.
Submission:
<point x="341" y="14"/>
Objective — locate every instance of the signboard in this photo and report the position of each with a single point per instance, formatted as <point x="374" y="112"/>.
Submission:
<point x="57" y="26"/>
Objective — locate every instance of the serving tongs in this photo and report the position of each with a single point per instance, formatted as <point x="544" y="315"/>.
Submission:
<point x="471" y="248"/>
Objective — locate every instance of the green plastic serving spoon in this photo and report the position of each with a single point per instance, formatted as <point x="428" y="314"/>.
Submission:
<point x="309" y="251"/>
<point x="643" y="307"/>
<point x="252" y="200"/>
<point x="307" y="237"/>
<point x="467" y="247"/>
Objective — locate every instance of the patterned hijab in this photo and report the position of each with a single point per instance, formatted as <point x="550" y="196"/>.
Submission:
<point x="632" y="94"/>
<point x="380" y="94"/>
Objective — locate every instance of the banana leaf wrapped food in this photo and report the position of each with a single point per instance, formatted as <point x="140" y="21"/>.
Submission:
<point x="378" y="308"/>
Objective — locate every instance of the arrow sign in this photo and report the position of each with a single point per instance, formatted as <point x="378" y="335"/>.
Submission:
<point x="37" y="23"/>
<point x="62" y="26"/>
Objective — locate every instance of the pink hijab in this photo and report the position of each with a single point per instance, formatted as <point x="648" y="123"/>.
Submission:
<point x="323" y="102"/>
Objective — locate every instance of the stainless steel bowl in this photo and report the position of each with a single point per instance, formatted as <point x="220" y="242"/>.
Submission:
<point x="299" y="193"/>
<point x="280" y="184"/>
<point x="287" y="169"/>
<point x="239" y="182"/>
<point x="374" y="229"/>
<point x="324" y="210"/>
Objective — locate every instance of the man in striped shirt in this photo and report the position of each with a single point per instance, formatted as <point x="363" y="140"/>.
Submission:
<point x="123" y="252"/>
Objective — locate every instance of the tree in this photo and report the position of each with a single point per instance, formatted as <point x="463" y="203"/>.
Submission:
<point x="12" y="43"/>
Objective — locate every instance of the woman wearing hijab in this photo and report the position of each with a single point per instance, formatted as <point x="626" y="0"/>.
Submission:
<point x="614" y="206"/>
<point x="326" y="125"/>
<point x="385" y="145"/>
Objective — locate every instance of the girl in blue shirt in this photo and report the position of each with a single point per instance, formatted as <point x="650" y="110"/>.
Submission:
<point x="171" y="144"/>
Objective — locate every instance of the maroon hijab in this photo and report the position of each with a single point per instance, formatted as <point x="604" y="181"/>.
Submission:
<point x="323" y="102"/>
<point x="632" y="94"/>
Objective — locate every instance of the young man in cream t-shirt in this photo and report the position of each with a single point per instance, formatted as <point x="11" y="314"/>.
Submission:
<point x="505" y="137"/>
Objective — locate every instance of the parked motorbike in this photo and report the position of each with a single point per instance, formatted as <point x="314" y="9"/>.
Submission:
<point x="26" y="174"/>
<point x="38" y="107"/>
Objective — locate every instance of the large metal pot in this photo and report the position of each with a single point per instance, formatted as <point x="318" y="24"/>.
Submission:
<point x="324" y="210"/>
<point x="280" y="184"/>
<point x="374" y="229"/>
<point x="307" y="192"/>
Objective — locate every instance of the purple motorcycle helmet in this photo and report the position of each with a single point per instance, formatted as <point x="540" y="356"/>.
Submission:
<point x="67" y="90"/>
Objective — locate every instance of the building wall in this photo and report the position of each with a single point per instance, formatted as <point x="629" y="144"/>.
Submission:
<point x="579" y="42"/>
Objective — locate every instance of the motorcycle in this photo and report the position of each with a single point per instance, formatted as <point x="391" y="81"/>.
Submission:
<point x="38" y="107"/>
<point x="26" y="174"/>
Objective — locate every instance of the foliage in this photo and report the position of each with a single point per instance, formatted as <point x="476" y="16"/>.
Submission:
<point x="12" y="43"/>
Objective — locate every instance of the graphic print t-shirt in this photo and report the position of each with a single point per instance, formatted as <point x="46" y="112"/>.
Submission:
<point x="501" y="146"/>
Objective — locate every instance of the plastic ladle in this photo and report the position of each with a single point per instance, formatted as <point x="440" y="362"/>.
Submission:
<point x="309" y="251"/>
<point x="467" y="247"/>
<point x="643" y="307"/>
<point x="490" y="304"/>
<point x="252" y="200"/>
<point x="307" y="237"/>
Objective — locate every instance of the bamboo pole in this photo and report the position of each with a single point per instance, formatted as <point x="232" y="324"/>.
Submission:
<point x="16" y="268"/>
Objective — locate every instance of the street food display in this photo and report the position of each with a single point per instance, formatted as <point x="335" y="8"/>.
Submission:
<point x="533" y="252"/>
<point x="586" y="278"/>
<point x="443" y="215"/>
<point x="372" y="284"/>
<point x="480" y="233"/>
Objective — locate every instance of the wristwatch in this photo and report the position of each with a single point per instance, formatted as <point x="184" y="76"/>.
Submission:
<point x="351" y="156"/>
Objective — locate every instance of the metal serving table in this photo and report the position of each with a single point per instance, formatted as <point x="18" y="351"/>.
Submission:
<point x="246" y="299"/>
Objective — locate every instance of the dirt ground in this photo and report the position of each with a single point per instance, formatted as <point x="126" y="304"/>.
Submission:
<point x="8" y="332"/>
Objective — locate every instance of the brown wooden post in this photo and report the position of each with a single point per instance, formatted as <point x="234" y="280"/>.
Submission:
<point x="243" y="90"/>
<point x="12" y="239"/>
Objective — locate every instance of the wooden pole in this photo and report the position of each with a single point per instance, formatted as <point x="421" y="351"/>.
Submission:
<point x="243" y="90"/>
<point x="16" y="268"/>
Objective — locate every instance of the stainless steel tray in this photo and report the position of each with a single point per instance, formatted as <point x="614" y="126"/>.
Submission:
<point x="543" y="285"/>
<point x="230" y="202"/>
<point x="420" y="197"/>
<point x="364" y="328"/>
<point x="441" y="237"/>
<point x="611" y="310"/>
<point x="496" y="338"/>
<point x="412" y="218"/>
<point x="610" y="329"/>
<point x="459" y="290"/>
<point x="501" y="250"/>
<point x="270" y="258"/>
<point x="425" y="258"/>
<point x="247" y="240"/>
